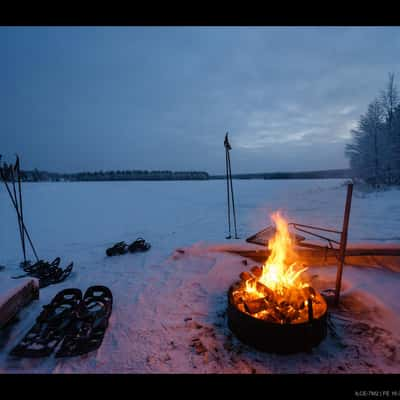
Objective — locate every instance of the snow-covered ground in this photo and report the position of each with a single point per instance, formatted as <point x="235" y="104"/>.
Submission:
<point x="169" y="304"/>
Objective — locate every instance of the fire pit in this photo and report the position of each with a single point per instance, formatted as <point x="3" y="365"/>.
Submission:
<point x="272" y="308"/>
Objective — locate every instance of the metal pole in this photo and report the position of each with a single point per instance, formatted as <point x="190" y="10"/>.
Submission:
<point x="21" y="233"/>
<point x="20" y="208"/>
<point x="19" y="216"/>
<point x="227" y="192"/>
<point x="233" y="201"/>
<point x="343" y="242"/>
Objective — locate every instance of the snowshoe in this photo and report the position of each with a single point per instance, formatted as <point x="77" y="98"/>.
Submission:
<point x="86" y="332"/>
<point x="47" y="273"/>
<point x="55" y="276"/>
<point x="139" y="245"/>
<point x="41" y="267"/>
<point x="118" y="249"/>
<point x="50" y="326"/>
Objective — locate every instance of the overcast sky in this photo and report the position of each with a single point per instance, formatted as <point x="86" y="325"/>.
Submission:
<point x="85" y="98"/>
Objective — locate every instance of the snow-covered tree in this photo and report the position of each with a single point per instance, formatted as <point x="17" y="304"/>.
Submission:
<point x="390" y="101"/>
<point x="365" y="151"/>
<point x="374" y="151"/>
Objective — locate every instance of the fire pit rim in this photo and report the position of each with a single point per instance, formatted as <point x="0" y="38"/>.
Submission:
<point x="269" y="336"/>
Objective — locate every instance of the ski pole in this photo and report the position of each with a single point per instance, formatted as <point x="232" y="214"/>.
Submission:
<point x="21" y="232"/>
<point x="19" y="216"/>
<point x="233" y="200"/>
<point x="227" y="148"/>
<point x="20" y="205"/>
<point x="227" y="193"/>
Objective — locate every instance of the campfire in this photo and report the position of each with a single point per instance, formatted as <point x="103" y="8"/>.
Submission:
<point x="277" y="294"/>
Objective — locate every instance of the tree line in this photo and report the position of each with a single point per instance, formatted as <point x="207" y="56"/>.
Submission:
<point x="374" y="150"/>
<point x="38" y="176"/>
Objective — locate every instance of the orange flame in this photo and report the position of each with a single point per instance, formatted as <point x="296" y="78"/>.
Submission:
<point x="279" y="273"/>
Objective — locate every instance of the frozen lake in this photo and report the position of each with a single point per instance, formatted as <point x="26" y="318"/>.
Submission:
<point x="64" y="218"/>
<point x="156" y="293"/>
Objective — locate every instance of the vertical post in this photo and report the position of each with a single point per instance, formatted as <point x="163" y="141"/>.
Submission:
<point x="343" y="242"/>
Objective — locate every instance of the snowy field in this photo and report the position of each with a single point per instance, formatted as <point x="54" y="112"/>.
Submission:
<point x="169" y="306"/>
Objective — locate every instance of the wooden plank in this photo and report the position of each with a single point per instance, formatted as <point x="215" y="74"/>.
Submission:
<point x="380" y="257"/>
<point x="16" y="298"/>
<point x="356" y="250"/>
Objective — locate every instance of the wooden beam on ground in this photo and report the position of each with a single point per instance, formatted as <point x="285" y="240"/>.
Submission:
<point x="356" y="250"/>
<point x="12" y="301"/>
<point x="387" y="257"/>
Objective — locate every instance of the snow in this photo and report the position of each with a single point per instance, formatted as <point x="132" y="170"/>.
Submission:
<point x="170" y="302"/>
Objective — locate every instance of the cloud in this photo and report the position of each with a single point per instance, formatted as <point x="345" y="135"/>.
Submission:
<point x="163" y="97"/>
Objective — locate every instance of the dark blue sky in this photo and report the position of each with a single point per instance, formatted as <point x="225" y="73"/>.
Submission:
<point x="84" y="98"/>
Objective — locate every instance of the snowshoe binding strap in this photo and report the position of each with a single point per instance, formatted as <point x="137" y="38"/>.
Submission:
<point x="41" y="266"/>
<point x="139" y="245"/>
<point x="39" y="269"/>
<point x="118" y="249"/>
<point x="50" y="326"/>
<point x="55" y="276"/>
<point x="47" y="273"/>
<point x="87" y="331"/>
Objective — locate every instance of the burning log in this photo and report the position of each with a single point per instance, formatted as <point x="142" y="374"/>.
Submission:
<point x="256" y="271"/>
<point x="255" y="306"/>
<point x="266" y="291"/>
<point x="246" y="276"/>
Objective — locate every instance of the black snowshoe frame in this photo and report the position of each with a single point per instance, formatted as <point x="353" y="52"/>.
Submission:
<point x="50" y="325"/>
<point x="47" y="273"/>
<point x="118" y="249"/>
<point x="139" y="245"/>
<point x="78" y="323"/>
<point x="87" y="331"/>
<point x="122" y="248"/>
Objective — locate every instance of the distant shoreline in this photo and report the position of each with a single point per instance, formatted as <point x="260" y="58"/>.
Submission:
<point x="44" y="176"/>
<point x="323" y="174"/>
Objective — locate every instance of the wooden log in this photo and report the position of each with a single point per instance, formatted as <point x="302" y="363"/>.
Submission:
<point x="17" y="298"/>
<point x="256" y="271"/>
<point x="266" y="291"/>
<point x="246" y="276"/>
<point x="255" y="306"/>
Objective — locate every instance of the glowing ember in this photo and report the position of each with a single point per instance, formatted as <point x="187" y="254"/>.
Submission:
<point x="276" y="292"/>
